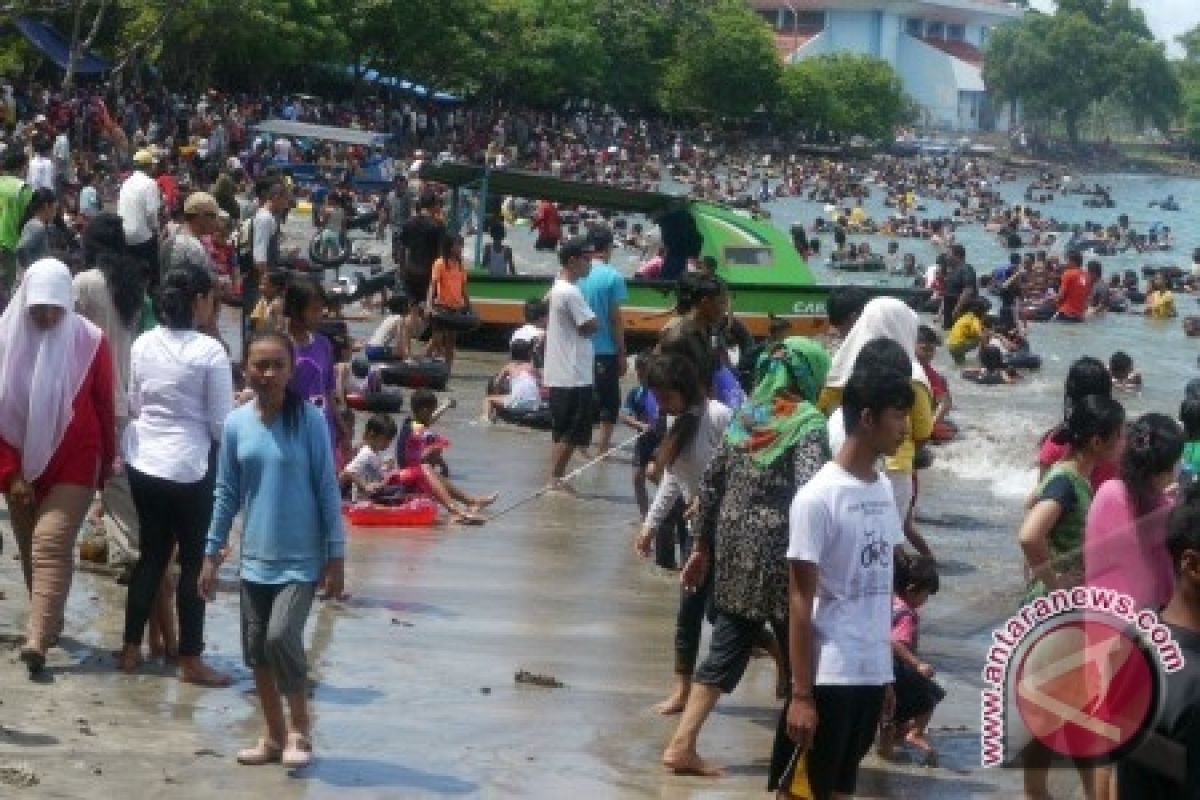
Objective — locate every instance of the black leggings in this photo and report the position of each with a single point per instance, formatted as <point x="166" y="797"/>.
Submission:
<point x="169" y="513"/>
<point x="671" y="537"/>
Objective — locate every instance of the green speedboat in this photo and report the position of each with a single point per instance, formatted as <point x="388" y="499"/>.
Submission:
<point x="767" y="277"/>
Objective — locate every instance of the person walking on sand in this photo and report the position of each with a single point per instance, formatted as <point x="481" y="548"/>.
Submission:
<point x="180" y="391"/>
<point x="276" y="468"/>
<point x="57" y="438"/>
<point x="775" y="444"/>
<point x="568" y="370"/>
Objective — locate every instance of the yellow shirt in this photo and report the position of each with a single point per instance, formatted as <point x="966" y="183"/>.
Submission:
<point x="1162" y="304"/>
<point x="968" y="328"/>
<point x="920" y="423"/>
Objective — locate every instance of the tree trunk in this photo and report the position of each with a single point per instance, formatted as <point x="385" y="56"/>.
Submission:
<point x="1071" y="119"/>
<point x="77" y="46"/>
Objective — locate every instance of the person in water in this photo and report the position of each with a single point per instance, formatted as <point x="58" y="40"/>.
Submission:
<point x="991" y="370"/>
<point x="1125" y="377"/>
<point x="1160" y="302"/>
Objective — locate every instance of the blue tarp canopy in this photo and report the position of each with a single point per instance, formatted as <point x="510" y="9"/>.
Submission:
<point x="57" y="47"/>
<point x="373" y="76"/>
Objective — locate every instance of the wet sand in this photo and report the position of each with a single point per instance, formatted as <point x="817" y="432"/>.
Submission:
<point x="414" y="675"/>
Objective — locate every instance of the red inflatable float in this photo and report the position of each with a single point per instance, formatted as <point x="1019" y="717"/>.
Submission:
<point x="417" y="512"/>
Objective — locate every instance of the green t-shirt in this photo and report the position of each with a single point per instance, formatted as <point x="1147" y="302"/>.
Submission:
<point x="14" y="199"/>
<point x="1073" y="493"/>
<point x="1191" y="458"/>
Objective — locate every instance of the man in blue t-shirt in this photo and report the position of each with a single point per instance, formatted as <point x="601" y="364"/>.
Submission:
<point x="604" y="289"/>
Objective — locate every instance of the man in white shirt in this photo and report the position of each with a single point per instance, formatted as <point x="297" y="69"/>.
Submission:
<point x="843" y="529"/>
<point x="568" y="370"/>
<point x="41" y="167"/>
<point x="139" y="204"/>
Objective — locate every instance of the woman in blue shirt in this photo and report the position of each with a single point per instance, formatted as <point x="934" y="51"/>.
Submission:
<point x="276" y="468"/>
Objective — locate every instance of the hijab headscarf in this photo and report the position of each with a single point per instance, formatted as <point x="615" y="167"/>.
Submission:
<point x="782" y="411"/>
<point x="882" y="318"/>
<point x="41" y="371"/>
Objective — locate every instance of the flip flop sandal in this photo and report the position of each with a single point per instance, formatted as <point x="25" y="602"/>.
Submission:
<point x="298" y="753"/>
<point x="265" y="752"/>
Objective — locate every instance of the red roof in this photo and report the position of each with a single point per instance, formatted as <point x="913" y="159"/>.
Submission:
<point x="963" y="51"/>
<point x="788" y="43"/>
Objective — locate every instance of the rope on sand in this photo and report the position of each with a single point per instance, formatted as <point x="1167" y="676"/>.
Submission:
<point x="569" y="476"/>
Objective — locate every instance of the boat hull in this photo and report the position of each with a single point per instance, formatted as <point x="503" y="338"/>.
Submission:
<point x="500" y="303"/>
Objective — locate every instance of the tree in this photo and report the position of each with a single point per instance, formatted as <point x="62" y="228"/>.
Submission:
<point x="724" y="63"/>
<point x="844" y="95"/>
<point x="1059" y="66"/>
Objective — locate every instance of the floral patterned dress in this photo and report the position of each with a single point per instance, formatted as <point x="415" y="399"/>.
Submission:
<point x="743" y="517"/>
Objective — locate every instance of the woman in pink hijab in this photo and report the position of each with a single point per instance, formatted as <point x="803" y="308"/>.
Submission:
<point x="57" y="437"/>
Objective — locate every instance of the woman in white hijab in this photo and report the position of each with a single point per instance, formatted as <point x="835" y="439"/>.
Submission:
<point x="888" y="318"/>
<point x="57" y="437"/>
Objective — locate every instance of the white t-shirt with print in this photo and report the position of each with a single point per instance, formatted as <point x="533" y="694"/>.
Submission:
<point x="568" y="359"/>
<point x="848" y="528"/>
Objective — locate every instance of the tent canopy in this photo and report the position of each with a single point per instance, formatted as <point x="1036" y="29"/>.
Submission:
<point x="57" y="47"/>
<point x="328" y="133"/>
<point x="537" y="185"/>
<point x="373" y="76"/>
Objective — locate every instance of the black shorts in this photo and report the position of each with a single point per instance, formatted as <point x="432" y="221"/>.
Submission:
<point x="847" y="721"/>
<point x="571" y="414"/>
<point x="733" y="640"/>
<point x="915" y="694"/>
<point x="608" y="389"/>
<point x="646" y="447"/>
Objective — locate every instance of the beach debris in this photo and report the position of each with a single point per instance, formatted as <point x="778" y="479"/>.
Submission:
<point x="19" y="775"/>
<point x="534" y="679"/>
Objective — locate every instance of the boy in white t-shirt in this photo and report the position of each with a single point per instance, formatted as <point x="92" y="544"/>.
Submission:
<point x="843" y="528"/>
<point x="366" y="471"/>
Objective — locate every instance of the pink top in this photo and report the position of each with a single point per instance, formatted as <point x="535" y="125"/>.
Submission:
<point x="1126" y="554"/>
<point x="905" y="622"/>
<point x="1051" y="453"/>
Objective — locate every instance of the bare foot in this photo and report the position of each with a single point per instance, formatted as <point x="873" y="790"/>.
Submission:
<point x="673" y="704"/>
<point x="917" y="739"/>
<point x="129" y="659"/>
<point x="467" y="518"/>
<point x="562" y="487"/>
<point x="195" y="671"/>
<point x="690" y="763"/>
<point x="481" y="503"/>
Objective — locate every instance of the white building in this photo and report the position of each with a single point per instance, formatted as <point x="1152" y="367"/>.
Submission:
<point x="936" y="46"/>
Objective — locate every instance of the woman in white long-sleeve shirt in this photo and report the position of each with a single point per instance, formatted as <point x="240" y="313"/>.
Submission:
<point x="687" y="449"/>
<point x="180" y="391"/>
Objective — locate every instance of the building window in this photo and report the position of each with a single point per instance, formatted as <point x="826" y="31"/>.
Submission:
<point x="914" y="27"/>
<point x="935" y="30"/>
<point x="984" y="33"/>
<point x="956" y="33"/>
<point x="812" y="20"/>
<point x="771" y="17"/>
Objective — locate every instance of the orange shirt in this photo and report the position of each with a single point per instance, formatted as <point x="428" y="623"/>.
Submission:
<point x="449" y="284"/>
<point x="1073" y="293"/>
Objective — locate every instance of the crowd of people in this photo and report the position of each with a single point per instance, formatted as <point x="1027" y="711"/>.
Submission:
<point x="785" y="473"/>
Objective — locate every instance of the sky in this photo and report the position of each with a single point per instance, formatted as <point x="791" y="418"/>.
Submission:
<point x="1167" y="18"/>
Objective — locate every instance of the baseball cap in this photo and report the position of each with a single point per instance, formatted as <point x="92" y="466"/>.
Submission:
<point x="200" y="203"/>
<point x="143" y="156"/>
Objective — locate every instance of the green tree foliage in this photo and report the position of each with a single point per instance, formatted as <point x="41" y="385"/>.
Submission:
<point x="1189" y="71"/>
<point x="1088" y="51"/>
<point x="840" y="95"/>
<point x="724" y="63"/>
